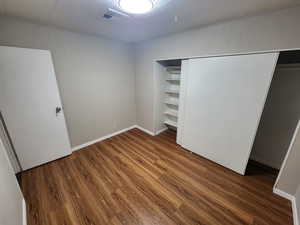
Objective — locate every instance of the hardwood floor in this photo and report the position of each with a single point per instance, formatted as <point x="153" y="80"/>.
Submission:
<point x="135" y="179"/>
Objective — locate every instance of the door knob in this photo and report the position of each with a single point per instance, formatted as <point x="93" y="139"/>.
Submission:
<point x="57" y="110"/>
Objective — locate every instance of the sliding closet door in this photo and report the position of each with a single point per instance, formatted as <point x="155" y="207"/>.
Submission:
<point x="224" y="99"/>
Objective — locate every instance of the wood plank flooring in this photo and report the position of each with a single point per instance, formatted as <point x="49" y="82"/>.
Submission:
<point x="137" y="179"/>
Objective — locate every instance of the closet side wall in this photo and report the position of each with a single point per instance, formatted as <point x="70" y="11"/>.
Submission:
<point x="280" y="117"/>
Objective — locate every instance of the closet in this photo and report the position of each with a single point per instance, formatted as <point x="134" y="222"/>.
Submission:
<point x="281" y="112"/>
<point x="221" y="100"/>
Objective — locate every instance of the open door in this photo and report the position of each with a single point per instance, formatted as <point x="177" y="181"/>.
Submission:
<point x="31" y="106"/>
<point x="223" y="102"/>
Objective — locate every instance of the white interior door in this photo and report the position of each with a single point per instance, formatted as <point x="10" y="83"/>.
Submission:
<point x="223" y="101"/>
<point x="28" y="100"/>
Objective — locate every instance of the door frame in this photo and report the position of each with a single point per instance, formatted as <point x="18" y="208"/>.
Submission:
<point x="297" y="129"/>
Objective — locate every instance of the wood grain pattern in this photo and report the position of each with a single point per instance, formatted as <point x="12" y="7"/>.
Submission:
<point x="134" y="179"/>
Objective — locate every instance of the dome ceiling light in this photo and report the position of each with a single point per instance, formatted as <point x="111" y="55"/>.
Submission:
<point x="136" y="6"/>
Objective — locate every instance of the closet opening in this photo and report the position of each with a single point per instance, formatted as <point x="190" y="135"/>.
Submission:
<point x="279" y="118"/>
<point x="167" y="85"/>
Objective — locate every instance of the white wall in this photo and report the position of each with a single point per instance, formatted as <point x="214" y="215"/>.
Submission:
<point x="280" y="117"/>
<point x="95" y="76"/>
<point x="277" y="30"/>
<point x="11" y="199"/>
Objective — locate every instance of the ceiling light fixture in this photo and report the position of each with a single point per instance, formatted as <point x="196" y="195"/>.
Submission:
<point x="136" y="6"/>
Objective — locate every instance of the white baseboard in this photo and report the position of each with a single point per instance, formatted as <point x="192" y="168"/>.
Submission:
<point x="293" y="201"/>
<point x="160" y="131"/>
<point x="145" y="130"/>
<point x="283" y="194"/>
<point x="295" y="212"/>
<point x="114" y="134"/>
<point x="102" y="138"/>
<point x="24" y="218"/>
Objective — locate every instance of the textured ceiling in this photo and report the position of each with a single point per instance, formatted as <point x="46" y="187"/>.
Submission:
<point x="86" y="16"/>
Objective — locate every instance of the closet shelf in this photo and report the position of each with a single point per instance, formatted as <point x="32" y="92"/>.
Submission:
<point x="174" y="70"/>
<point x="172" y="91"/>
<point x="172" y="113"/>
<point x="168" y="102"/>
<point x="173" y="79"/>
<point x="171" y="123"/>
<point x="173" y="67"/>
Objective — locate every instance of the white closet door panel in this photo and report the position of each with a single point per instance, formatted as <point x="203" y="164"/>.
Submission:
<point x="224" y="100"/>
<point x="28" y="99"/>
<point x="182" y="96"/>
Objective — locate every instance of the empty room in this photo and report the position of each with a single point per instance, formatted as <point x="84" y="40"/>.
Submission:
<point x="149" y="112"/>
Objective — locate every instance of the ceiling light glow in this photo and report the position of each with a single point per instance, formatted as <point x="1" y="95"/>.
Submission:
<point x="136" y="6"/>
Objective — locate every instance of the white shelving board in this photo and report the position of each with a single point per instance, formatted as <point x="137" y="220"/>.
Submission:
<point x="171" y="102"/>
<point x="172" y="112"/>
<point x="171" y="123"/>
<point x="174" y="69"/>
<point x="172" y="91"/>
<point x="173" y="79"/>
